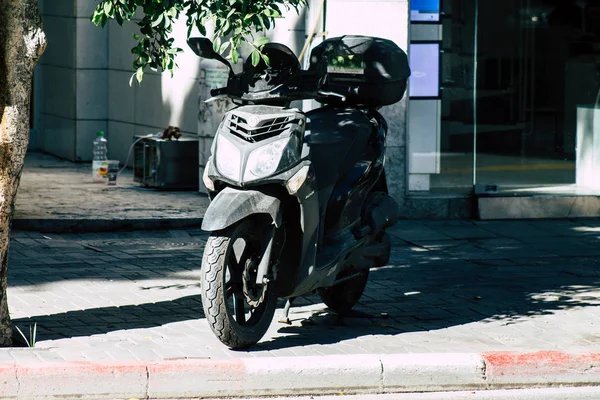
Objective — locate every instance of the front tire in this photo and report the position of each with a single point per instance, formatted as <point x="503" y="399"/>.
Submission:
<point x="238" y="310"/>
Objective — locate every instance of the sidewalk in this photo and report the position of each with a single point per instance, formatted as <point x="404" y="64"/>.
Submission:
<point x="59" y="196"/>
<point x="462" y="305"/>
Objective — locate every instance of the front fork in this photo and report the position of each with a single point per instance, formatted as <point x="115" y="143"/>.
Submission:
<point x="263" y="267"/>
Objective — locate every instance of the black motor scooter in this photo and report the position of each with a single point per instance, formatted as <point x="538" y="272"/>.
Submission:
<point x="299" y="201"/>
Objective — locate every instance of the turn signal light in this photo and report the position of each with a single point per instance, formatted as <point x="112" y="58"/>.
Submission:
<point x="295" y="182"/>
<point x="207" y="181"/>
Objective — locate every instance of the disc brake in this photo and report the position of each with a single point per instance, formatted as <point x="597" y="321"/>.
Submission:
<point x="253" y="300"/>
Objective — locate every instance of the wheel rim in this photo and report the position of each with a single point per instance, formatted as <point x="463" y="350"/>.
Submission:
<point x="245" y="309"/>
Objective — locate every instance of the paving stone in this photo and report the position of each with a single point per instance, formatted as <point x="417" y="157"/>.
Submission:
<point x="6" y="357"/>
<point x="459" y="297"/>
<point x="416" y="232"/>
<point x="25" y="355"/>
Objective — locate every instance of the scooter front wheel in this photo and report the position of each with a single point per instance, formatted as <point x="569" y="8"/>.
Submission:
<point x="238" y="310"/>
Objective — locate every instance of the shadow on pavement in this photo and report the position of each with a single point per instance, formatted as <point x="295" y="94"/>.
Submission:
<point x="436" y="284"/>
<point x="108" y="319"/>
<point x="426" y="297"/>
<point x="428" y="285"/>
<point x="37" y="259"/>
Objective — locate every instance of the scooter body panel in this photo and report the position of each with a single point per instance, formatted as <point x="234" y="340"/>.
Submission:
<point x="233" y="205"/>
<point x="347" y="152"/>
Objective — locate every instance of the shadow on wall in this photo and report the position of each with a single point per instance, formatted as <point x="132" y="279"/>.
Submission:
<point x="179" y="93"/>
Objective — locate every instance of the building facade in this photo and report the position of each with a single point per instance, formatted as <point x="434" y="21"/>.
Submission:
<point x="502" y="118"/>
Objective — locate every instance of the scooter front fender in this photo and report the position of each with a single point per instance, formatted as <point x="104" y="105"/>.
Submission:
<point x="233" y="205"/>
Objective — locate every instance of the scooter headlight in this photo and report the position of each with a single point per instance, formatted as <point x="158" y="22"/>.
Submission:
<point x="268" y="159"/>
<point x="228" y="158"/>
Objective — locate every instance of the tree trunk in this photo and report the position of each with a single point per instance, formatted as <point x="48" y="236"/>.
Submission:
<point x="22" y="42"/>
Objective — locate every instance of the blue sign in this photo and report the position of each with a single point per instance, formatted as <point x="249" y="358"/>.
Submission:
<point x="425" y="10"/>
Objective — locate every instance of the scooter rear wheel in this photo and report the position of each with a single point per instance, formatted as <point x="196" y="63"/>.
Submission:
<point x="343" y="296"/>
<point x="238" y="310"/>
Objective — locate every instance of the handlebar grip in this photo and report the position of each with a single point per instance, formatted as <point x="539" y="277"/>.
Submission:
<point x="218" y="92"/>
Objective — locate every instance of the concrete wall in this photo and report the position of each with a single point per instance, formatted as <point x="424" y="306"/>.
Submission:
<point x="84" y="83"/>
<point x="160" y="101"/>
<point x="71" y="91"/>
<point x="84" y="86"/>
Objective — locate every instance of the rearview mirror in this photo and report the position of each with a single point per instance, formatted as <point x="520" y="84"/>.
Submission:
<point x="203" y="47"/>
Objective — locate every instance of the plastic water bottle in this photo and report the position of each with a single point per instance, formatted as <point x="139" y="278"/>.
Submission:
<point x="99" y="163"/>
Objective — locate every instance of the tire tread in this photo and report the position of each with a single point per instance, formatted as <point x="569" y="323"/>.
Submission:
<point x="213" y="295"/>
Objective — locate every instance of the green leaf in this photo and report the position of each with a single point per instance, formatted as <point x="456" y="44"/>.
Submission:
<point x="33" y="337"/>
<point x="264" y="22"/>
<point x="201" y="28"/>
<point x="119" y="17"/>
<point x="145" y="29"/>
<point x="157" y="21"/>
<point x="261" y="41"/>
<point x="139" y="74"/>
<point x="238" y="21"/>
<point x="224" y="47"/>
<point x="255" y="58"/>
<point x="272" y="13"/>
<point x="266" y="59"/>
<point x="23" y="336"/>
<point x="226" y="27"/>
<point x="217" y="44"/>
<point x="108" y="7"/>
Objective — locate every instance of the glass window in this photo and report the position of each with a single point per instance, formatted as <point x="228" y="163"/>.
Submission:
<point x="520" y="91"/>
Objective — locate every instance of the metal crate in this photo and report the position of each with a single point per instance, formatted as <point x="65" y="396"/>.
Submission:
<point x="166" y="164"/>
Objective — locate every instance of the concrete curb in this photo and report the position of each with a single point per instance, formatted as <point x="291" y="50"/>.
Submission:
<point x="102" y="225"/>
<point x="348" y="374"/>
<point x="432" y="372"/>
<point x="541" y="369"/>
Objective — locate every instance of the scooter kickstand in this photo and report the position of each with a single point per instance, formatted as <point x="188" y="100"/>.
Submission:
<point x="286" y="312"/>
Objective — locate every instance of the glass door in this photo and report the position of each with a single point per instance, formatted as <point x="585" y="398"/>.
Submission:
<point x="537" y="65"/>
<point x="458" y="89"/>
<point x="520" y="93"/>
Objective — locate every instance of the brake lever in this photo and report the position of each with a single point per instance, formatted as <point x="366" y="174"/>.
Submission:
<point x="331" y="94"/>
<point x="214" y="98"/>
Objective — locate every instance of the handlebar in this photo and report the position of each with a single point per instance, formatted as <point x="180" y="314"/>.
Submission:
<point x="303" y="85"/>
<point x="218" y="92"/>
